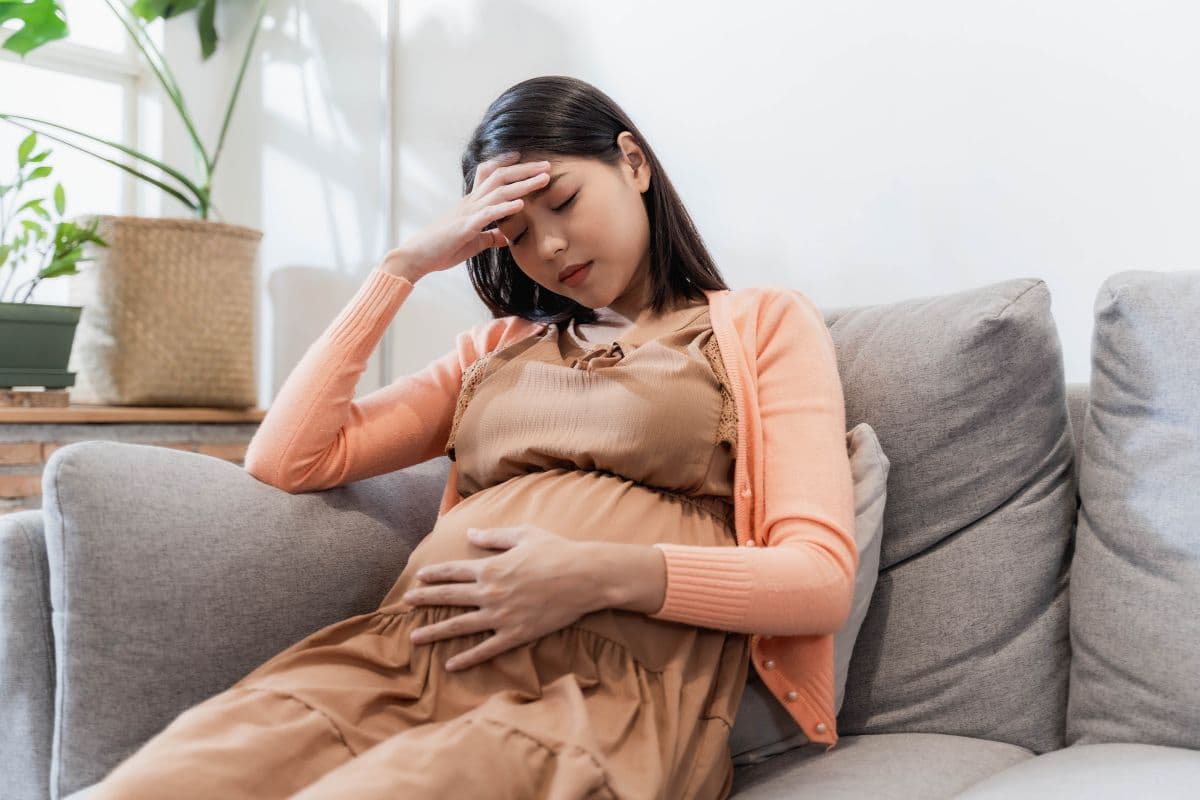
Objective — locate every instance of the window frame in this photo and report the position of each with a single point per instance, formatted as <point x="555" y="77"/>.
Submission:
<point x="126" y="69"/>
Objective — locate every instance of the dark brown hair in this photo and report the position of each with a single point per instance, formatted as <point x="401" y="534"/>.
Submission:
<point x="556" y="114"/>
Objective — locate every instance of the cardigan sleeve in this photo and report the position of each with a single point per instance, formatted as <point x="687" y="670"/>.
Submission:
<point x="802" y="581"/>
<point x="317" y="436"/>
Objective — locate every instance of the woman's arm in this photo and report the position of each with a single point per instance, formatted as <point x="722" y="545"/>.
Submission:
<point x="628" y="576"/>
<point x="317" y="436"/>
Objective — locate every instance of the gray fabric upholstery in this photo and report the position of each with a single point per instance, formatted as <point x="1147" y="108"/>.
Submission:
<point x="1097" y="772"/>
<point x="1077" y="402"/>
<point x="1135" y="609"/>
<point x="928" y="766"/>
<point x="26" y="657"/>
<point x="163" y="597"/>
<point x="967" y="631"/>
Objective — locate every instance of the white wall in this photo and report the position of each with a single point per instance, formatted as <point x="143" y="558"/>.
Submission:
<point x="304" y="160"/>
<point x="862" y="152"/>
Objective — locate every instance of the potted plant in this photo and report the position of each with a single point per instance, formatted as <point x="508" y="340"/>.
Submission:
<point x="168" y="305"/>
<point x="36" y="338"/>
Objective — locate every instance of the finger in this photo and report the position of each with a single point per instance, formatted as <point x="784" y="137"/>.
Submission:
<point x="495" y="538"/>
<point x="481" y="652"/>
<point x="514" y="180"/>
<point x="490" y="537"/>
<point x="485" y="169"/>
<point x="488" y="215"/>
<point x="446" y="594"/>
<point x="460" y="625"/>
<point x="447" y="571"/>
<point x="519" y="188"/>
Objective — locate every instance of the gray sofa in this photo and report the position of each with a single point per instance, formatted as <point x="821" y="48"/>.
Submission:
<point x="1034" y="631"/>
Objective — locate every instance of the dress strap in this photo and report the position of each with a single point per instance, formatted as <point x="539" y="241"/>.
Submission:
<point x="470" y="379"/>
<point x="727" y="429"/>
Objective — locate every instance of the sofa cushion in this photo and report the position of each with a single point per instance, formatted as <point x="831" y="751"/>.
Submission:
<point x="26" y="657"/>
<point x="1096" y="772"/>
<point x="924" y="765"/>
<point x="967" y="629"/>
<point x="1135" y="577"/>
<point x="173" y="574"/>
<point x="763" y="727"/>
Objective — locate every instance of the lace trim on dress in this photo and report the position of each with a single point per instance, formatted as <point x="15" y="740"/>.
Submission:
<point x="727" y="429"/>
<point x="470" y="379"/>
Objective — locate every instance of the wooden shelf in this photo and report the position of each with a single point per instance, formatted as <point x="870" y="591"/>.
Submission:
<point x="85" y="412"/>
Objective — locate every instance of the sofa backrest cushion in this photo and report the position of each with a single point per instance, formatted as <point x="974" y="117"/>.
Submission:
<point x="1135" y="575"/>
<point x="967" y="629"/>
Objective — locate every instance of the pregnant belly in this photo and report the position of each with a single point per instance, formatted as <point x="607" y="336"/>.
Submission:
<point x="584" y="505"/>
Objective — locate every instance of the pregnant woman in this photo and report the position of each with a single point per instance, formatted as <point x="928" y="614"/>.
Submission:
<point x="649" y="491"/>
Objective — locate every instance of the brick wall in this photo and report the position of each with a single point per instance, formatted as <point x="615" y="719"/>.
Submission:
<point x="22" y="458"/>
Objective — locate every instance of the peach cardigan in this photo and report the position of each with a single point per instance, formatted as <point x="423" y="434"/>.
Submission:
<point x="789" y="585"/>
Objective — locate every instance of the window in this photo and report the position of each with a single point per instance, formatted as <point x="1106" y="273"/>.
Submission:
<point x="95" y="81"/>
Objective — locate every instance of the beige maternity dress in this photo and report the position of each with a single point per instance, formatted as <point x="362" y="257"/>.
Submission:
<point x="627" y="441"/>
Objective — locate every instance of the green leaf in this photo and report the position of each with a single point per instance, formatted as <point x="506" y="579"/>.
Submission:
<point x="151" y="10"/>
<point x="40" y="172"/>
<point x="61" y="265"/>
<point x="206" y="27"/>
<point x="35" y="202"/>
<point x="5" y="249"/>
<point x="30" y="225"/>
<point x="43" y="21"/>
<point x="60" y="199"/>
<point x="27" y="144"/>
<point x="40" y="156"/>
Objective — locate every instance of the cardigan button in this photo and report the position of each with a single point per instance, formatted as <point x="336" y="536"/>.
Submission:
<point x="820" y="727"/>
<point x="791" y="695"/>
<point x="746" y="492"/>
<point x="749" y="543"/>
<point x="769" y="663"/>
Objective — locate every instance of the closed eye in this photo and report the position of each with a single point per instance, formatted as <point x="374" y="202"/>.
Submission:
<point x="566" y="203"/>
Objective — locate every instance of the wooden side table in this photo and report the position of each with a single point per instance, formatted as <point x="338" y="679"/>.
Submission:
<point x="29" y="435"/>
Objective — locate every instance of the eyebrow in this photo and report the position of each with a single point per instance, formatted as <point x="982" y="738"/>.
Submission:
<point x="533" y="194"/>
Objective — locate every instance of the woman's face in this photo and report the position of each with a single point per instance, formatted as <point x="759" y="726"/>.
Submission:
<point x="589" y="211"/>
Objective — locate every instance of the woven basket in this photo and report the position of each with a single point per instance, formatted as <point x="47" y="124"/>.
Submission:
<point x="168" y="314"/>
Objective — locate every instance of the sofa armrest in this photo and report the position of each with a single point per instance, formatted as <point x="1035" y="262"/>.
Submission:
<point x="26" y="657"/>
<point x="173" y="574"/>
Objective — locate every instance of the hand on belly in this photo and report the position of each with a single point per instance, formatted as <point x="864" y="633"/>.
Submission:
<point x="536" y="583"/>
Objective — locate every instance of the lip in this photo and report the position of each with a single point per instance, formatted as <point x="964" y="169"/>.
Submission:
<point x="566" y="273"/>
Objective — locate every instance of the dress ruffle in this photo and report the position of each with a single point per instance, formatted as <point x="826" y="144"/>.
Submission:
<point x="368" y="678"/>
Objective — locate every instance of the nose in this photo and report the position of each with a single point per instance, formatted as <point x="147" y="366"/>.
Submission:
<point x="550" y="244"/>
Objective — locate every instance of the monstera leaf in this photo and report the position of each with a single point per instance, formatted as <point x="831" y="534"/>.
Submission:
<point x="43" y="22"/>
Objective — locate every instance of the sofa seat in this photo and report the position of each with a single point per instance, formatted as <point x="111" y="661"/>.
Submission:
<point x="879" y="766"/>
<point x="1097" y="772"/>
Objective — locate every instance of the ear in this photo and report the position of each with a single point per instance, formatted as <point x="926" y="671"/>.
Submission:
<point x="636" y="158"/>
